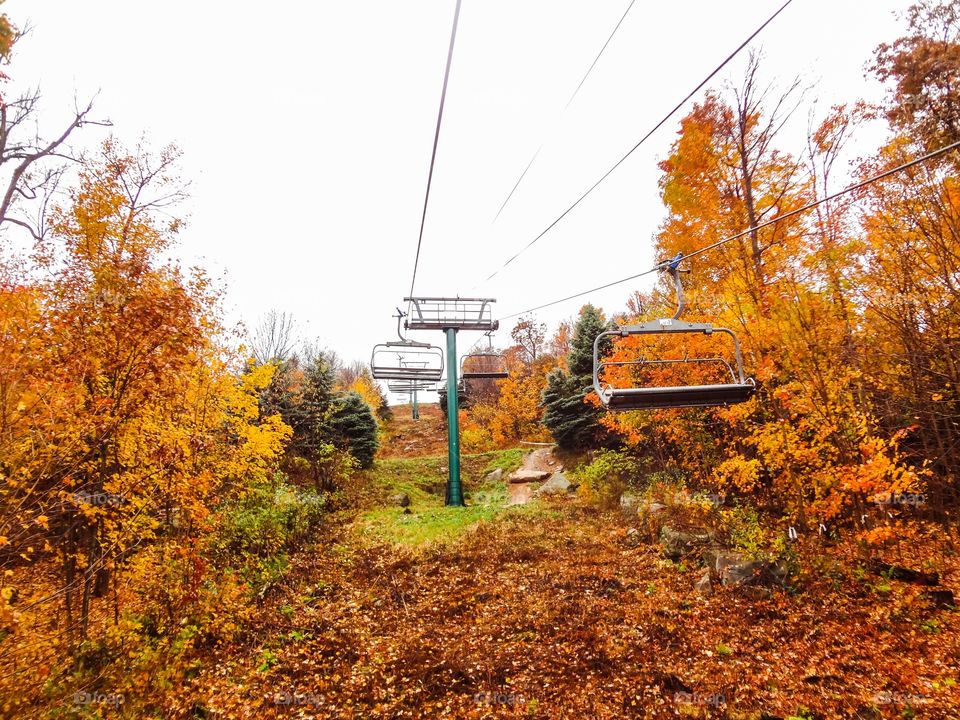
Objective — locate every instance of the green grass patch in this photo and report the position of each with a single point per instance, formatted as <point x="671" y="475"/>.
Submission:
<point x="425" y="476"/>
<point x="506" y="460"/>
<point x="424" y="480"/>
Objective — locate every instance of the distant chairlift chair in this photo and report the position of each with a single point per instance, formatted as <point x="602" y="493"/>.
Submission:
<point x="484" y="365"/>
<point x="406" y="360"/>
<point x="404" y="387"/>
<point x="738" y="390"/>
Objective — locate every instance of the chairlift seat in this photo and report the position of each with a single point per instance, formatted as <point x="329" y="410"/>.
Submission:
<point x="683" y="396"/>
<point x="406" y="360"/>
<point x="740" y="389"/>
<point x="408" y="386"/>
<point x="498" y="370"/>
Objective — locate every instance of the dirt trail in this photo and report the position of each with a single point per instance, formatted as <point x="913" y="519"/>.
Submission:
<point x="540" y="459"/>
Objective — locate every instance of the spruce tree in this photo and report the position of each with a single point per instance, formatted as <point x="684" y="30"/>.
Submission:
<point x="354" y="428"/>
<point x="573" y="422"/>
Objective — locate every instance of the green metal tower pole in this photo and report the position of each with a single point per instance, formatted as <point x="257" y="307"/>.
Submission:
<point x="416" y="410"/>
<point x="454" y="490"/>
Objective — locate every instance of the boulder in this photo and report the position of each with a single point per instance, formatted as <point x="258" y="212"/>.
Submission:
<point x="649" y="509"/>
<point x="629" y="503"/>
<point x="556" y="485"/>
<point x="494" y="476"/>
<point x="718" y="559"/>
<point x="748" y="572"/>
<point x="941" y="598"/>
<point x="633" y="537"/>
<point x="677" y="543"/>
<point x="400" y="500"/>
<point x="736" y="569"/>
<point x="704" y="585"/>
<point x="521" y="476"/>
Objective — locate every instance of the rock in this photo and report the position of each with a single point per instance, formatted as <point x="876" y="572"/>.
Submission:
<point x="743" y="573"/>
<point x="632" y="503"/>
<point x="629" y="503"/>
<point x="718" y="559"/>
<point x="400" y="500"/>
<point x="905" y="574"/>
<point x="737" y="569"/>
<point x="941" y="598"/>
<point x="648" y="509"/>
<point x="520" y="476"/>
<point x="676" y="543"/>
<point x="494" y="476"/>
<point x="556" y="485"/>
<point x="407" y="511"/>
<point x="633" y="537"/>
<point x="704" y="585"/>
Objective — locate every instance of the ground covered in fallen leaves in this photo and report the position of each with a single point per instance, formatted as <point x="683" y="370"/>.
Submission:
<point x="558" y="614"/>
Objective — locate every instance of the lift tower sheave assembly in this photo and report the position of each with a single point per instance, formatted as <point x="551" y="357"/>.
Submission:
<point x="451" y="315"/>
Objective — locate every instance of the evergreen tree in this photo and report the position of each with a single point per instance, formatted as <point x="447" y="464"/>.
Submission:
<point x="572" y="421"/>
<point x="303" y="398"/>
<point x="589" y="325"/>
<point x="316" y="399"/>
<point x="354" y="428"/>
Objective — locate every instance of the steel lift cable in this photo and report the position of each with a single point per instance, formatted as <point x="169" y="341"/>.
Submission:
<point x="849" y="189"/>
<point x="572" y="97"/>
<point x="436" y="141"/>
<point x="656" y="127"/>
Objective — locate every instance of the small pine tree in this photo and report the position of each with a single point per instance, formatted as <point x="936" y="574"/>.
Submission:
<point x="589" y="325"/>
<point x="572" y="421"/>
<point x="354" y="428"/>
<point x="316" y="403"/>
<point x="304" y="398"/>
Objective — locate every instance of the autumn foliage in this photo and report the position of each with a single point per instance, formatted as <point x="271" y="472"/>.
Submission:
<point x="847" y="313"/>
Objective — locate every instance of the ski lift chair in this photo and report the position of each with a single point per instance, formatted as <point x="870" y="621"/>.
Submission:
<point x="653" y="397"/>
<point x="408" y="386"/>
<point x="484" y="365"/>
<point x="406" y="359"/>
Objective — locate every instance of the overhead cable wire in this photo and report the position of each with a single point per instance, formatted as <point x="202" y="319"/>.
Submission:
<point x="599" y="54"/>
<point x="656" y="127"/>
<point x="436" y="141"/>
<point x="779" y="218"/>
<point x="574" y="95"/>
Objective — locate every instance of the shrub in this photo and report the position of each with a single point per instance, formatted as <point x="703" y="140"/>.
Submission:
<point x="269" y="519"/>
<point x="354" y="428"/>
<point x="607" y="476"/>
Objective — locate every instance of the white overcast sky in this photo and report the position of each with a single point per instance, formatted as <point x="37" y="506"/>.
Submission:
<point x="307" y="129"/>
